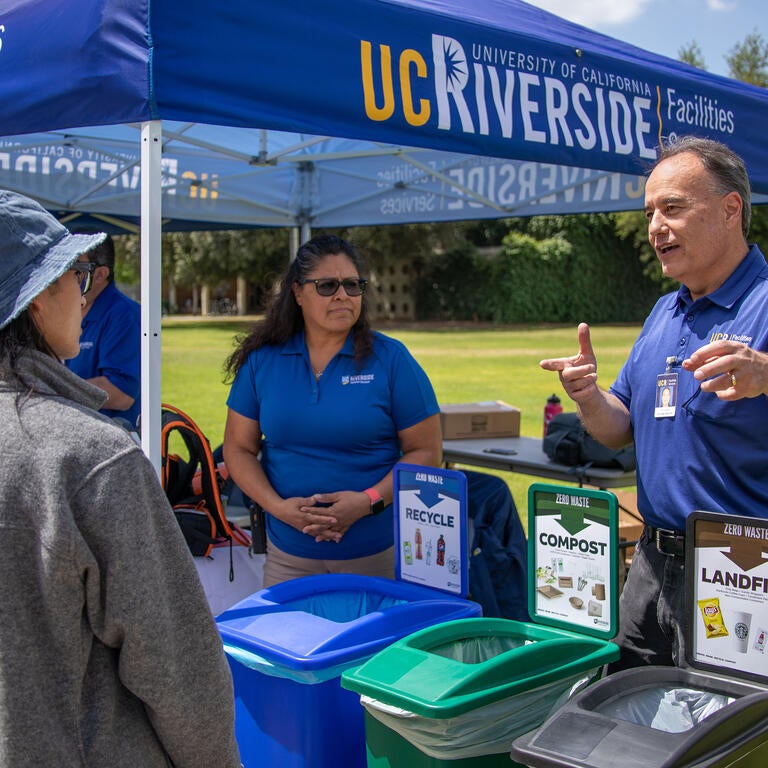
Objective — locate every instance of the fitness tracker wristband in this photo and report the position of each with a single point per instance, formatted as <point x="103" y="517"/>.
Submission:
<point x="377" y="503"/>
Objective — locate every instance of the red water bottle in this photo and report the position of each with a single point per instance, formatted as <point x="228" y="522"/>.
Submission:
<point x="551" y="409"/>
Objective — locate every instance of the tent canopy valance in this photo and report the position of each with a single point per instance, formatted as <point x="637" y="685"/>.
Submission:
<point x="497" y="78"/>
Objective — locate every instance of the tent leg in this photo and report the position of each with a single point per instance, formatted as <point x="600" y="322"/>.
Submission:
<point x="297" y="236"/>
<point x="294" y="241"/>
<point x="151" y="296"/>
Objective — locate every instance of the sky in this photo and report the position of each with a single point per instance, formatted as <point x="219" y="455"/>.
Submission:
<point x="665" y="26"/>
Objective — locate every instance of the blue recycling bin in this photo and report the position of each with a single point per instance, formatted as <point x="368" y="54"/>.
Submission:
<point x="287" y="647"/>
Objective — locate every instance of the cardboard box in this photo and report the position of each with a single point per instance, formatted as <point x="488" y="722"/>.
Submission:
<point x="493" y="418"/>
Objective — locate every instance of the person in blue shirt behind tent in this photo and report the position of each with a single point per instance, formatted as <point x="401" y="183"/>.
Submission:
<point x="110" y="344"/>
<point x="320" y="410"/>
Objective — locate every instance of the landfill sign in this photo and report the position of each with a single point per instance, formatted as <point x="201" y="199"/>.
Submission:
<point x="431" y="527"/>
<point x="573" y="558"/>
<point x="727" y="593"/>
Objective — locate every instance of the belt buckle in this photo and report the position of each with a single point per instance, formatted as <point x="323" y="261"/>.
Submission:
<point x="666" y="535"/>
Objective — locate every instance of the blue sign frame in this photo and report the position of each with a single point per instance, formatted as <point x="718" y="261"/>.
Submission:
<point x="430" y="518"/>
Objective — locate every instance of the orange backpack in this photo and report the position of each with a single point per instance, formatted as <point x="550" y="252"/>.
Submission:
<point x="193" y="486"/>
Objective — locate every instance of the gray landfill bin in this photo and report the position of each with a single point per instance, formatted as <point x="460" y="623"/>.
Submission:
<point x="654" y="717"/>
<point x="712" y="713"/>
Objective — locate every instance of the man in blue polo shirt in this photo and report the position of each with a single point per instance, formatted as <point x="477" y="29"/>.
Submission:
<point x="705" y="447"/>
<point x="110" y="343"/>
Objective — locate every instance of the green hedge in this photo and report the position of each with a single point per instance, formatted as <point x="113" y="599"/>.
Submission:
<point x="564" y="272"/>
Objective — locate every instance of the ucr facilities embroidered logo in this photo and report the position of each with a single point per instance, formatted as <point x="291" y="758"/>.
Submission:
<point x="363" y="378"/>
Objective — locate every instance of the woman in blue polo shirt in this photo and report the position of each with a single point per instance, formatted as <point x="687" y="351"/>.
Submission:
<point x="320" y="410"/>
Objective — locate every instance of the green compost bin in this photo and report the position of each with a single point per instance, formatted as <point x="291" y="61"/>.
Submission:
<point x="457" y="694"/>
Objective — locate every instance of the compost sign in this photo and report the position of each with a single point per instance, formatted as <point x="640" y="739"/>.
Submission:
<point x="727" y="593"/>
<point x="431" y="527"/>
<point x="573" y="558"/>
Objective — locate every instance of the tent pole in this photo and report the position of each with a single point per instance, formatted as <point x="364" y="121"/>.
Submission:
<point x="151" y="296"/>
<point x="298" y="236"/>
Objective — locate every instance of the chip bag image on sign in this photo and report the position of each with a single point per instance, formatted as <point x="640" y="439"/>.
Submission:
<point x="713" y="617"/>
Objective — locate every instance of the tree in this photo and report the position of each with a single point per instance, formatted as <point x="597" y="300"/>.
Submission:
<point x="691" y="54"/>
<point x="127" y="259"/>
<point x="748" y="61"/>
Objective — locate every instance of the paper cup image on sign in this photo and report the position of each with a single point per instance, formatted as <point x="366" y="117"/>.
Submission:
<point x="741" y="624"/>
<point x="713" y="617"/>
<point x="598" y="590"/>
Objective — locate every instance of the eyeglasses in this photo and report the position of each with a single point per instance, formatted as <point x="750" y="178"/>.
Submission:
<point x="328" y="286"/>
<point x="84" y="273"/>
<point x="699" y="410"/>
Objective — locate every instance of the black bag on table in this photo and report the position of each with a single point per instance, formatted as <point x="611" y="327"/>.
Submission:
<point x="568" y="442"/>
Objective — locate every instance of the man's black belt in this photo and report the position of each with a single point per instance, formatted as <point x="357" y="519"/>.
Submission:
<point x="668" y="542"/>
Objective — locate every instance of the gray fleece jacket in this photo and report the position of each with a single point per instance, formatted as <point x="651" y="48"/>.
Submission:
<point x="109" y="655"/>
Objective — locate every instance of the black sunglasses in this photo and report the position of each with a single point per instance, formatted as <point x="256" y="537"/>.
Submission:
<point x="328" y="286"/>
<point x="84" y="270"/>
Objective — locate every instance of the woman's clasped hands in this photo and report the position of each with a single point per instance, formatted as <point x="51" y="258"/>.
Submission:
<point x="328" y="516"/>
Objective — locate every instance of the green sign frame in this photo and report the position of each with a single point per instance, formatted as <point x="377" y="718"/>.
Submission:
<point x="573" y="559"/>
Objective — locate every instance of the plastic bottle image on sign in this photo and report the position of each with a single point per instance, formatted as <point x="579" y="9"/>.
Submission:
<point x="441" y="550"/>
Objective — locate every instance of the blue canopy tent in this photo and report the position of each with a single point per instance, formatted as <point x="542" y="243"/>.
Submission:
<point x="494" y="78"/>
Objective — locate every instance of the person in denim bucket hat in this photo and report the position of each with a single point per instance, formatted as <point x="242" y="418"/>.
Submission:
<point x="109" y="649"/>
<point x="35" y="251"/>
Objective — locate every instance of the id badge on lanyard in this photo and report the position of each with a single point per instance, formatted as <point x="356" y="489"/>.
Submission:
<point x="666" y="392"/>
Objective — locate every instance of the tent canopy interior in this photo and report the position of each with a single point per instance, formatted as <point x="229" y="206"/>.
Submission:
<point x="215" y="177"/>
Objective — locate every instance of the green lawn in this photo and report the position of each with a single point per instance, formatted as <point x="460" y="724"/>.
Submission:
<point x="464" y="364"/>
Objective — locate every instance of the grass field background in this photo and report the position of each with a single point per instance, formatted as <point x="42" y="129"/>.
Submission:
<point x="465" y="364"/>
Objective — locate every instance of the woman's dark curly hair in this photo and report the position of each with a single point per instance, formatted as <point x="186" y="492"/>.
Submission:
<point x="284" y="317"/>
